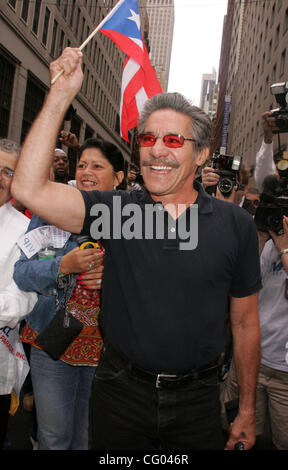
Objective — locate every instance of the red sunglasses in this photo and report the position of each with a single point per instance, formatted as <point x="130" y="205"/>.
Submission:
<point x="170" y="140"/>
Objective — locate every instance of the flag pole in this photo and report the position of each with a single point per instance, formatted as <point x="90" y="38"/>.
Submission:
<point x="107" y="17"/>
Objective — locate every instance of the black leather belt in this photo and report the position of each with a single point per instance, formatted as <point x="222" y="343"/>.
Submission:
<point x="162" y="380"/>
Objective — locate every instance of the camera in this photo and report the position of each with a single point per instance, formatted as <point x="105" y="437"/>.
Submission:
<point x="273" y="205"/>
<point x="228" y="167"/>
<point x="269" y="215"/>
<point x="280" y="91"/>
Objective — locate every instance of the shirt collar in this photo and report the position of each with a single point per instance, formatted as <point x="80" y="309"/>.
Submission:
<point x="204" y="200"/>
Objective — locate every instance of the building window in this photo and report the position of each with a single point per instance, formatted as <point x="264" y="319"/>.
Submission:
<point x="282" y="63"/>
<point x="277" y="35"/>
<point x="285" y="22"/>
<point x="266" y="28"/>
<point x="274" y="73"/>
<point x="82" y="30"/>
<point x="36" y="16"/>
<point x="7" y="71"/>
<point x="266" y="86"/>
<point x="54" y="35"/>
<point x="273" y="14"/>
<point x="12" y="3"/>
<point x="34" y="98"/>
<point x="72" y="13"/>
<point x="65" y="9"/>
<point x="269" y="50"/>
<point x="46" y="26"/>
<point x="61" y="43"/>
<point x="25" y="9"/>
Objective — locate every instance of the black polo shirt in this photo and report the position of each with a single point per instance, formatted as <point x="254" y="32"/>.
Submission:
<point x="165" y="308"/>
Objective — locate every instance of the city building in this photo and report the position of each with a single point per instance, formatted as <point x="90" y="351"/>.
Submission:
<point x="161" y="27"/>
<point x="209" y="93"/>
<point x="260" y="61"/>
<point x="34" y="33"/>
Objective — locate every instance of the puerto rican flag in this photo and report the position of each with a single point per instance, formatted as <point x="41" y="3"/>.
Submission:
<point x="139" y="81"/>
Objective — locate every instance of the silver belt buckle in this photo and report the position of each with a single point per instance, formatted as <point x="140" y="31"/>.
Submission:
<point x="164" y="376"/>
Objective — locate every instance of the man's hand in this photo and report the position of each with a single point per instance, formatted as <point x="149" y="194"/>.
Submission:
<point x="209" y="177"/>
<point x="70" y="81"/>
<point x="69" y="139"/>
<point x="269" y="125"/>
<point x="242" y="430"/>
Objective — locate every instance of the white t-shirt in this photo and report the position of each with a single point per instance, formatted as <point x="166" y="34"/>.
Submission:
<point x="14" y="303"/>
<point x="273" y="309"/>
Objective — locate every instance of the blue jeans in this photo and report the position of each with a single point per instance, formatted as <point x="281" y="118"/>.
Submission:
<point x="128" y="413"/>
<point x="61" y="394"/>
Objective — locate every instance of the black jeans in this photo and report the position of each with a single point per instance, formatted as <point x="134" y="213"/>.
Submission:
<point x="129" y="413"/>
<point x="5" y="401"/>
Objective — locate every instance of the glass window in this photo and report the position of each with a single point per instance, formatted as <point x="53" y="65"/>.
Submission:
<point x="282" y="63"/>
<point x="25" y="9"/>
<point x="46" y="26"/>
<point x="7" y="71"/>
<point x="34" y="98"/>
<point x="54" y="35"/>
<point x="72" y="12"/>
<point x="285" y="22"/>
<point x="36" y="16"/>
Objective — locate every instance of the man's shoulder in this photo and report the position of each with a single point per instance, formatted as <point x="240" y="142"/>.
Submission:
<point x="17" y="218"/>
<point x="230" y="208"/>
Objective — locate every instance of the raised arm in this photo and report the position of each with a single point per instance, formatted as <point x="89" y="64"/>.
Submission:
<point x="61" y="205"/>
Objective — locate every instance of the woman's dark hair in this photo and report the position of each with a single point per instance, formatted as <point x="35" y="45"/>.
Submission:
<point x="109" y="151"/>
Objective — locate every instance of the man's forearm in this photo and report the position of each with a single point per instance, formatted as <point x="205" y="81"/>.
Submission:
<point x="247" y="359"/>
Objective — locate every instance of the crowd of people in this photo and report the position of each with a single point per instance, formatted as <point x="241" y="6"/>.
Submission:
<point x="131" y="341"/>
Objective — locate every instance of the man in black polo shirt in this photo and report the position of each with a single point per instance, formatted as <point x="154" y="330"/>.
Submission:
<point x="167" y="278"/>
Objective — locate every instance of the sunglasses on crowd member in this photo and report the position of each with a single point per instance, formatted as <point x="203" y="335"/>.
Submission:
<point x="170" y="140"/>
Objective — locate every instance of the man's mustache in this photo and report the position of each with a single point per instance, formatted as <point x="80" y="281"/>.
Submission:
<point x="160" y="161"/>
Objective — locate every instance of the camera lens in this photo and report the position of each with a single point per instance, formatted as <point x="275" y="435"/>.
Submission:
<point x="225" y="185"/>
<point x="272" y="219"/>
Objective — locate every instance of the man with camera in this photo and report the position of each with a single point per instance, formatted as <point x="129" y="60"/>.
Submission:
<point x="163" y="303"/>
<point x="228" y="183"/>
<point x="264" y="159"/>
<point x="272" y="382"/>
<point x="274" y="122"/>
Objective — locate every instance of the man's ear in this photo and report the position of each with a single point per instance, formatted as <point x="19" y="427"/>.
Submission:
<point x="202" y="156"/>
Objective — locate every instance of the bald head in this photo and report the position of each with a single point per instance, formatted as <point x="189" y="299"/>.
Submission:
<point x="61" y="166"/>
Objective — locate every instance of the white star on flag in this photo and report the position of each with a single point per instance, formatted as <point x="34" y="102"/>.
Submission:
<point x="135" y="18"/>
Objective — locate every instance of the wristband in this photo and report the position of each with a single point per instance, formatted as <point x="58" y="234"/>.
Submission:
<point x="283" y="251"/>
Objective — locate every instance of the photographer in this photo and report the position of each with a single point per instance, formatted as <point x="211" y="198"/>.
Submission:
<point x="264" y="159"/>
<point x="272" y="383"/>
<point x="238" y="194"/>
<point x="134" y="180"/>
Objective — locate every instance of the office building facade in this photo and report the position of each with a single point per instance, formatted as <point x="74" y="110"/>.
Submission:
<point x="262" y="61"/>
<point x="161" y="26"/>
<point x="34" y="33"/>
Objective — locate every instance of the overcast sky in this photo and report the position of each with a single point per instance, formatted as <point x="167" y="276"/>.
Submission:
<point x="196" y="44"/>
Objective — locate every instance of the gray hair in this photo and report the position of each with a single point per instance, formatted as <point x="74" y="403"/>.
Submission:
<point x="201" y="124"/>
<point x="9" y="146"/>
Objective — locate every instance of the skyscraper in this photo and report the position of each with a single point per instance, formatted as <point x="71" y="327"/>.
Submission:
<point x="161" y="27"/>
<point x="209" y="91"/>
